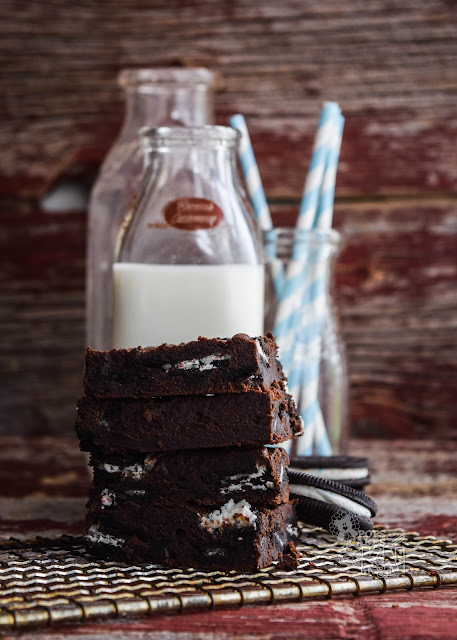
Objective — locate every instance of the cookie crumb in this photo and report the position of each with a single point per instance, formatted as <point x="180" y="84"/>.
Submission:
<point x="290" y="558"/>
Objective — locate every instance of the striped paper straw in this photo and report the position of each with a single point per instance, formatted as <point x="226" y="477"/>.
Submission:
<point x="311" y="324"/>
<point x="324" y="213"/>
<point x="306" y="323"/>
<point x="312" y="189"/>
<point x="251" y="174"/>
<point x="309" y="321"/>
<point x="323" y="220"/>
<point x="291" y="294"/>
<point x="255" y="191"/>
<point x="258" y="200"/>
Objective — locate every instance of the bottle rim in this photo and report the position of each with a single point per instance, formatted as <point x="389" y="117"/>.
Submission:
<point x="166" y="76"/>
<point x="289" y="236"/>
<point x="155" y="137"/>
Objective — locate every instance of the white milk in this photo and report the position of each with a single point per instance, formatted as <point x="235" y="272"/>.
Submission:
<point x="156" y="303"/>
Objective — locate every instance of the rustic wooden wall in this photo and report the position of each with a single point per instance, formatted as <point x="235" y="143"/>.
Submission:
<point x="391" y="66"/>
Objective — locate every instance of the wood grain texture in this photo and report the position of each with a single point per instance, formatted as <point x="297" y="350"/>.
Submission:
<point x="391" y="66"/>
<point x="399" y="616"/>
<point x="395" y="288"/>
<point x="43" y="484"/>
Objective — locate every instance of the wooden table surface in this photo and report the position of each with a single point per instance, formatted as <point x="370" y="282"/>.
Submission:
<point x="43" y="488"/>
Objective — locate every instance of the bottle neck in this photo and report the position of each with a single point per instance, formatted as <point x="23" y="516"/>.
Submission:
<point x="197" y="170"/>
<point x="167" y="104"/>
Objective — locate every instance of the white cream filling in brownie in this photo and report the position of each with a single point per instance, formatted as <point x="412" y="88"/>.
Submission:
<point x="96" y="536"/>
<point x="334" y="474"/>
<point x="281" y="473"/>
<point x="232" y="515"/>
<point x="135" y="471"/>
<point x="261" y="352"/>
<point x="107" y="498"/>
<point x="243" y="481"/>
<point x="110" y="468"/>
<point x="331" y="498"/>
<point x="202" y="364"/>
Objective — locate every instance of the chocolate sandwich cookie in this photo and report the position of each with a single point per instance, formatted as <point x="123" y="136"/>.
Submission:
<point x="331" y="505"/>
<point x="349" y="470"/>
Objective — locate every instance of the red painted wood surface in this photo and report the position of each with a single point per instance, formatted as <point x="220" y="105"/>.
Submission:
<point x="392" y="69"/>
<point x="43" y="490"/>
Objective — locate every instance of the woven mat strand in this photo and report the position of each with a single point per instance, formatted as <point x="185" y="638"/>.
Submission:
<point x="46" y="582"/>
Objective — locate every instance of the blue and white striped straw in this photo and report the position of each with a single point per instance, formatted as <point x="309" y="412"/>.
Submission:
<point x="258" y="200"/>
<point x="324" y="213"/>
<point x="312" y="189"/>
<point x="292" y="289"/>
<point x="251" y="174"/>
<point x="300" y="291"/>
<point x="305" y="374"/>
<point x="256" y="192"/>
<point x="311" y="325"/>
<point x="315" y="317"/>
<point x="302" y="310"/>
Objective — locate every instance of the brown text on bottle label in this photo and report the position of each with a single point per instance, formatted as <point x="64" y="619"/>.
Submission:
<point x="191" y="214"/>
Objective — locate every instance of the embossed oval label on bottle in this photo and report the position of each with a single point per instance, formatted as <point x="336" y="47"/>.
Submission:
<point x="191" y="214"/>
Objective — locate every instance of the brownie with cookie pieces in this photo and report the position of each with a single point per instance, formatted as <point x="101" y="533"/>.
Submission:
<point x="196" y="477"/>
<point x="183" y="448"/>
<point x="233" y="365"/>
<point x="229" y="536"/>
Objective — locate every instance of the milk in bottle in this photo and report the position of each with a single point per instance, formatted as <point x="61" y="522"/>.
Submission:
<point x="154" y="97"/>
<point x="190" y="260"/>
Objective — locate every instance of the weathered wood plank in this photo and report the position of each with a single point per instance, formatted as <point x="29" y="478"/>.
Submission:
<point x="391" y="68"/>
<point x="396" y="289"/>
<point x="397" y="616"/>
<point x="398" y="300"/>
<point x="393" y="71"/>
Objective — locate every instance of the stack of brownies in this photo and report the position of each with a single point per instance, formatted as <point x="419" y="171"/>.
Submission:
<point x="177" y="436"/>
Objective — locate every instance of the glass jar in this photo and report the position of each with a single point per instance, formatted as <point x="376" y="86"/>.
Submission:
<point x="304" y="319"/>
<point x="154" y="97"/>
<point x="190" y="262"/>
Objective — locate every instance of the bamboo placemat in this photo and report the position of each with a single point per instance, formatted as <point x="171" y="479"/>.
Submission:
<point x="45" y="582"/>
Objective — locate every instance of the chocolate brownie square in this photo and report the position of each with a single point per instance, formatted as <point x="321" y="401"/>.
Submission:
<point x="230" y="537"/>
<point x="234" y="365"/>
<point x="195" y="477"/>
<point x="186" y="422"/>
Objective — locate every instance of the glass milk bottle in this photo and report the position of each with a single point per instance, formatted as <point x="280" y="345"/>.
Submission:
<point x="154" y="97"/>
<point x="190" y="260"/>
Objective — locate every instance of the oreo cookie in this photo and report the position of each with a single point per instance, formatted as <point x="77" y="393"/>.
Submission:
<point x="331" y="505"/>
<point x="349" y="470"/>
